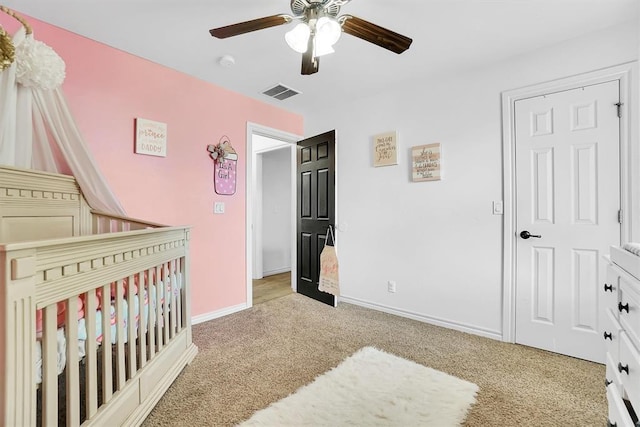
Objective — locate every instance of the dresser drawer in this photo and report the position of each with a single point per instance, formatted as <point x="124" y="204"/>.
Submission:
<point x="612" y="376"/>
<point x="611" y="330"/>
<point x="610" y="290"/>
<point x="629" y="309"/>
<point x="618" y="413"/>
<point x="629" y="368"/>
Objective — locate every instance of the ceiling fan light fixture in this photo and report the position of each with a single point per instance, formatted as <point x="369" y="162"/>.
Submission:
<point x="322" y="49"/>
<point x="327" y="34"/>
<point x="298" y="38"/>
<point x="328" y="30"/>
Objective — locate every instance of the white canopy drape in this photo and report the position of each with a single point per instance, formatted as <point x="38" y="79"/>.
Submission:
<point x="35" y="121"/>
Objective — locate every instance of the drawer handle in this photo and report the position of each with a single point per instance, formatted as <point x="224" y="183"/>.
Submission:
<point x="608" y="288"/>
<point x="623" y="307"/>
<point x="610" y="424"/>
<point x="608" y="336"/>
<point x="623" y="368"/>
<point x="607" y="382"/>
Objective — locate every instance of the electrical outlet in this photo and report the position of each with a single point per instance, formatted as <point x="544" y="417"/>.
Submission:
<point x="391" y="286"/>
<point x="498" y="207"/>
<point x="218" y="208"/>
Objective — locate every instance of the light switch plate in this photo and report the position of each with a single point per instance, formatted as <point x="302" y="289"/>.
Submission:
<point x="218" y="208"/>
<point x="498" y="207"/>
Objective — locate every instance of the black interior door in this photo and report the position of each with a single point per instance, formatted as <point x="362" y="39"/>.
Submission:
<point x="316" y="209"/>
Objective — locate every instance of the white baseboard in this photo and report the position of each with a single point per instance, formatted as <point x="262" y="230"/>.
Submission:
<point x="276" y="271"/>
<point x="488" y="333"/>
<point x="201" y="318"/>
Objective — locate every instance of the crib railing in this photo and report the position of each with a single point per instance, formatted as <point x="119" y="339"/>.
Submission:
<point x="117" y="305"/>
<point x="109" y="223"/>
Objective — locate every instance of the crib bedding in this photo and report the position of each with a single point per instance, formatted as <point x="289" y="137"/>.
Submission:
<point x="61" y="346"/>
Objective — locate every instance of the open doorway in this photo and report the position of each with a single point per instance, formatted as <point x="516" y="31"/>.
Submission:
<point x="272" y="197"/>
<point x="271" y="247"/>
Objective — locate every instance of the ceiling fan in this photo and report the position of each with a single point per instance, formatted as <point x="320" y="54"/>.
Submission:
<point x="318" y="30"/>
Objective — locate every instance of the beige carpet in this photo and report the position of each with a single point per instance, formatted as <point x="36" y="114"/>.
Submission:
<point x="253" y="358"/>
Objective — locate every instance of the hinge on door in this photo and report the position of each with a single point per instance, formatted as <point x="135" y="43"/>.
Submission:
<point x="619" y="216"/>
<point x="619" y="105"/>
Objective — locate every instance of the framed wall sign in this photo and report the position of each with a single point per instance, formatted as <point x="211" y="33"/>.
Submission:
<point x="385" y="151"/>
<point x="426" y="162"/>
<point x="151" y="138"/>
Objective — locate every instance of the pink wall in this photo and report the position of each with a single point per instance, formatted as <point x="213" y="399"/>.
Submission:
<point x="106" y="89"/>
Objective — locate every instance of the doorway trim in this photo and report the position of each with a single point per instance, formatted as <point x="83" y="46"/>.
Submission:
<point x="628" y="176"/>
<point x="290" y="138"/>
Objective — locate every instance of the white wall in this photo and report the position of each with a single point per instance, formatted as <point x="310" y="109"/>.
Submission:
<point x="276" y="211"/>
<point x="439" y="240"/>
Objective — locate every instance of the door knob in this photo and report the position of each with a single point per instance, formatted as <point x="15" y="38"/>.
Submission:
<point x="525" y="235"/>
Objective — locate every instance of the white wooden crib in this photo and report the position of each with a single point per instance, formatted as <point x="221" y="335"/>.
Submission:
<point x="96" y="320"/>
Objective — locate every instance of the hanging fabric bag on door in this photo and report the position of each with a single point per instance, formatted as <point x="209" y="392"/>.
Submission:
<point x="328" y="280"/>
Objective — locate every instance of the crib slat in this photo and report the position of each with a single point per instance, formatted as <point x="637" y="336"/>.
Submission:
<point x="120" y="366"/>
<point x="152" y="315"/>
<point x="25" y="364"/>
<point x="97" y="228"/>
<point x="115" y="225"/>
<point x="180" y="294"/>
<point x="107" y="376"/>
<point x="174" y="285"/>
<point x="159" y="286"/>
<point x="49" y="367"/>
<point x="72" y="368"/>
<point x="167" y="280"/>
<point x="131" y="324"/>
<point x="91" y="373"/>
<point x="142" y="324"/>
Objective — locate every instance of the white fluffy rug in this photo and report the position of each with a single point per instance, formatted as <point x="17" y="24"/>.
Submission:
<point x="374" y="388"/>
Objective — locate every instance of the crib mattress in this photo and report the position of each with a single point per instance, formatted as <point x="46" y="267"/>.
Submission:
<point x="627" y="260"/>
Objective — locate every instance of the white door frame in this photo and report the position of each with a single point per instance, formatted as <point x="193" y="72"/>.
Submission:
<point x="629" y="176"/>
<point x="257" y="129"/>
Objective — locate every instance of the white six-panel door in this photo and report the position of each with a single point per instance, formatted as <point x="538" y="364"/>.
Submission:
<point x="568" y="192"/>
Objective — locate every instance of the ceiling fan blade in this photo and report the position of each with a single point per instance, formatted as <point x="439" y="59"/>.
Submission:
<point x="248" y="26"/>
<point x="375" y="34"/>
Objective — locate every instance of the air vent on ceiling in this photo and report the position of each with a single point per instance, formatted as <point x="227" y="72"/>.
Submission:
<point x="280" y="92"/>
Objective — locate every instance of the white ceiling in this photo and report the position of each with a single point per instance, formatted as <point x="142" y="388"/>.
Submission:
<point x="447" y="35"/>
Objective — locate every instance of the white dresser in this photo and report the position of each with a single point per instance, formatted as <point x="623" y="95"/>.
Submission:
<point x="621" y="332"/>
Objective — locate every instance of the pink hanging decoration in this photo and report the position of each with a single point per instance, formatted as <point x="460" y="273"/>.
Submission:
<point x="225" y="166"/>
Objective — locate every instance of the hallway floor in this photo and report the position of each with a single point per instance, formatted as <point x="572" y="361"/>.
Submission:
<point x="271" y="287"/>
